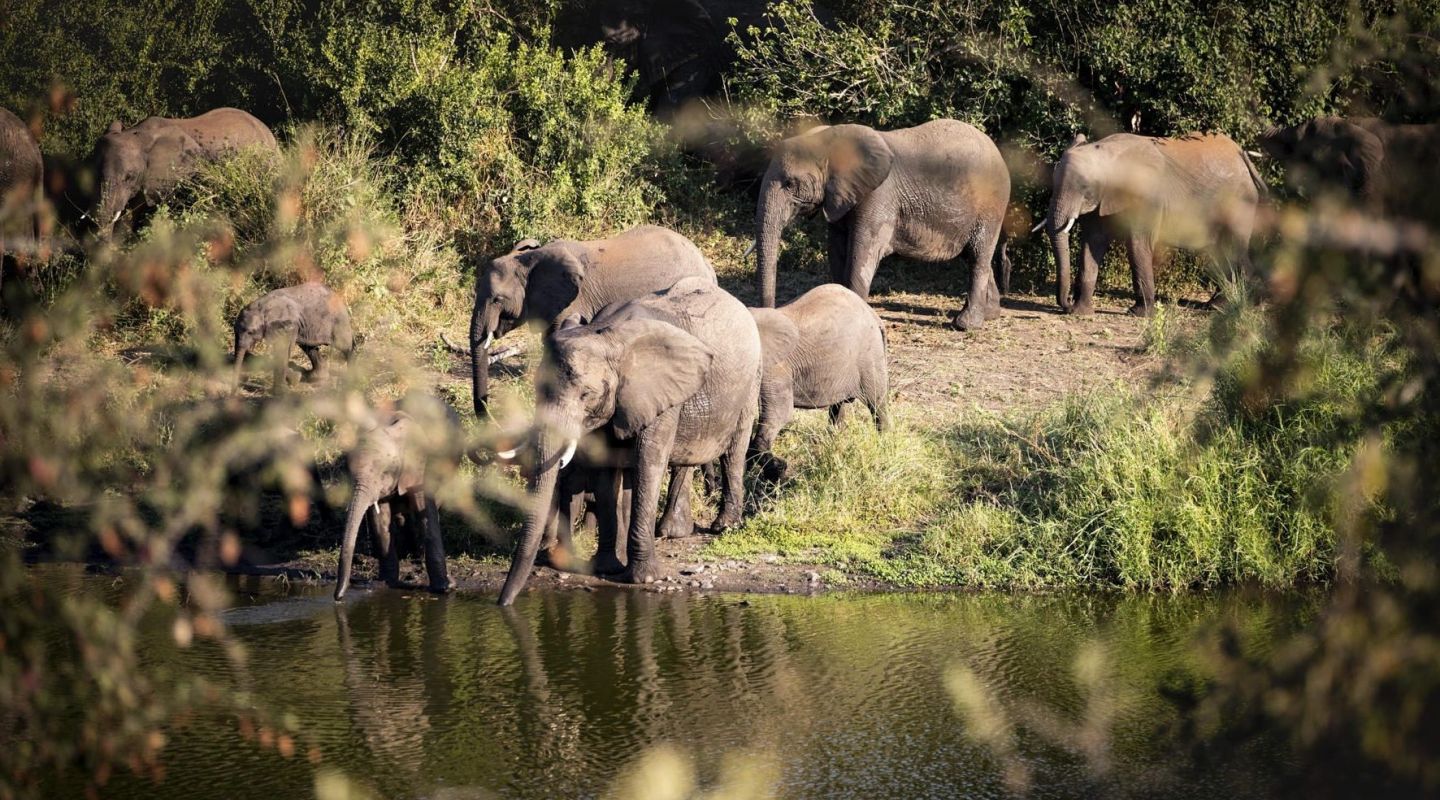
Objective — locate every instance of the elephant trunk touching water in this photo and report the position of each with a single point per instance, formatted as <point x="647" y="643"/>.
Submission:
<point x="542" y="494"/>
<point x="361" y="503"/>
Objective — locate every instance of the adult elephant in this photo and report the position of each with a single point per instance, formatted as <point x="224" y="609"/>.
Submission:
<point x="569" y="280"/>
<point x="139" y="166"/>
<point x="931" y="193"/>
<point x="677" y="372"/>
<point x="1385" y="168"/>
<point x="1197" y="191"/>
<point x="21" y="173"/>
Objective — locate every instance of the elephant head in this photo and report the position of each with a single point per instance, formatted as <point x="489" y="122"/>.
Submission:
<point x="146" y="160"/>
<point x="259" y="320"/>
<point x="531" y="282"/>
<point x="1328" y="152"/>
<point x="829" y="168"/>
<point x="384" y="463"/>
<point x="622" y="371"/>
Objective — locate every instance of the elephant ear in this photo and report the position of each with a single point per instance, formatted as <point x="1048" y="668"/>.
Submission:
<point x="115" y="127"/>
<point x="556" y="272"/>
<point x="660" y="367"/>
<point x="171" y="157"/>
<point x="525" y="244"/>
<point x="859" y="161"/>
<point x="778" y="335"/>
<point x="1360" y="156"/>
<point x="1079" y="139"/>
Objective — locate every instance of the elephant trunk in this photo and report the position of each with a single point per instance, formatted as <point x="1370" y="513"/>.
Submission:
<point x="239" y="363"/>
<point x="1060" y="242"/>
<point x="541" y="499"/>
<point x="483" y="321"/>
<point x="772" y="214"/>
<point x="360" y="504"/>
<point x="108" y="210"/>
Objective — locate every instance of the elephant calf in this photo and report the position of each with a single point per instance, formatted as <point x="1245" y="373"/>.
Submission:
<point x="394" y="467"/>
<point x="309" y="315"/>
<point x="823" y="349"/>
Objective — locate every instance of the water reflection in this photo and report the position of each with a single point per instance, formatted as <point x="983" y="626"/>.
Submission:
<point x="423" y="696"/>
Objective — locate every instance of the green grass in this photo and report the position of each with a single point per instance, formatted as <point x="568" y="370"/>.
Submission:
<point x="1120" y="489"/>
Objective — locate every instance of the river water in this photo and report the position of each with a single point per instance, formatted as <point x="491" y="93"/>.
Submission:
<point x="843" y="696"/>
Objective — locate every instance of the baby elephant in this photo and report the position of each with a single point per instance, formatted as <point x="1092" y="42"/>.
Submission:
<point x="823" y="349"/>
<point x="309" y="315"/>
<point x="393" y="468"/>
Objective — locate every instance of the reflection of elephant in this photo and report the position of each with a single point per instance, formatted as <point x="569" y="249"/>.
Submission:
<point x="931" y="193"/>
<point x="835" y="353"/>
<point x="21" y="171"/>
<point x="309" y="315"/>
<point x="678" y="372"/>
<point x="1196" y="191"/>
<point x="149" y="159"/>
<point x="396" y="463"/>
<point x="566" y="279"/>
<point x="1389" y="169"/>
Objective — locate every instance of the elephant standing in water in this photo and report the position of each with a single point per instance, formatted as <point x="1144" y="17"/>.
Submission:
<point x="148" y="160"/>
<point x="677" y="372"/>
<point x="398" y="463"/>
<point x="309" y="315"/>
<point x="931" y="193"/>
<point x="1386" y="168"/>
<point x="1198" y="191"/>
<point x="21" y="174"/>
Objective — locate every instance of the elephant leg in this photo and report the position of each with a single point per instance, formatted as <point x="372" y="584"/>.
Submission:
<point x="732" y="504"/>
<point x="387" y="549"/>
<point x="869" y="242"/>
<point x="612" y="497"/>
<point x="652" y="460"/>
<point x="317" y="363"/>
<point x="838" y="253"/>
<point x="280" y="345"/>
<point x="678" y="521"/>
<point x="983" y="304"/>
<point x="777" y="407"/>
<point x="840" y="413"/>
<point x="568" y="495"/>
<point x="1142" y="274"/>
<point x="1096" y="242"/>
<point x="427" y="516"/>
<point x="711" y="480"/>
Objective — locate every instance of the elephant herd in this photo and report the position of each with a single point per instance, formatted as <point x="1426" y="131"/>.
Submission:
<point x="651" y="369"/>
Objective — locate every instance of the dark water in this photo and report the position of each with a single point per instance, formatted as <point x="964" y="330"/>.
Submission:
<point x="835" y="696"/>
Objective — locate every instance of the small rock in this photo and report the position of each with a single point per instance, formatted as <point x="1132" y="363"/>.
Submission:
<point x="694" y="584"/>
<point x="812" y="577"/>
<point x="563" y="576"/>
<point x="707" y="584"/>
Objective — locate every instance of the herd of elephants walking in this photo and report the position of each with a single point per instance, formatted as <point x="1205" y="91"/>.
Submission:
<point x="651" y="369"/>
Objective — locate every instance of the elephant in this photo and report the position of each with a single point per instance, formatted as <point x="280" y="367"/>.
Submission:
<point x="21" y="176"/>
<point x="396" y="464"/>
<point x="831" y="350"/>
<point x="678" y="374"/>
<point x="309" y="315"/>
<point x="1198" y="191"/>
<point x="148" y="160"/>
<point x="572" y="280"/>
<point x="1386" y="168"/>
<point x="931" y="193"/>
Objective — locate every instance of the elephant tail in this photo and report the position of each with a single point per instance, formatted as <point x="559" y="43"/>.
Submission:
<point x="1255" y="175"/>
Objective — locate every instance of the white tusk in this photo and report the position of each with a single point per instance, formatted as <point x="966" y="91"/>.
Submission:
<point x="489" y="339"/>
<point x="749" y="250"/>
<point x="569" y="453"/>
<point x="1254" y="154"/>
<point x="376" y="508"/>
<point x="1068" y="225"/>
<point x="506" y="455"/>
<point x="116" y="218"/>
<point x="1038" y="226"/>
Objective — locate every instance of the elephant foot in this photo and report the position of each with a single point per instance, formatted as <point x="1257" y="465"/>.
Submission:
<point x="606" y="564"/>
<point x="1084" y="309"/>
<point x="773" y="469"/>
<point x="1140" y="310"/>
<point x="676" y="526"/>
<point x="971" y="318"/>
<point x="640" y="574"/>
<point x="442" y="587"/>
<point x="725" y="521"/>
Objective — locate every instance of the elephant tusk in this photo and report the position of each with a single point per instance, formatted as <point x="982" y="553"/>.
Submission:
<point x="1254" y="154"/>
<point x="1068" y="225"/>
<point x="375" y="507"/>
<point x="749" y="250"/>
<point x="506" y="455"/>
<point x="116" y="218"/>
<point x="1038" y="226"/>
<point x="489" y="339"/>
<point x="569" y="453"/>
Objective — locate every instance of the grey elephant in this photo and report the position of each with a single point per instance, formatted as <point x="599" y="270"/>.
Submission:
<point x="21" y="176"/>
<point x="395" y="467"/>
<point x="1385" y="168"/>
<point x="1198" y="191"/>
<point x="572" y="280"/>
<point x="831" y="350"/>
<point x="678" y="374"/>
<point x="931" y="193"/>
<point x="309" y="315"/>
<point x="140" y="166"/>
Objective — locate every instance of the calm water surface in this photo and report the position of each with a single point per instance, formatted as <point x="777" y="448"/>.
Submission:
<point x="834" y="696"/>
